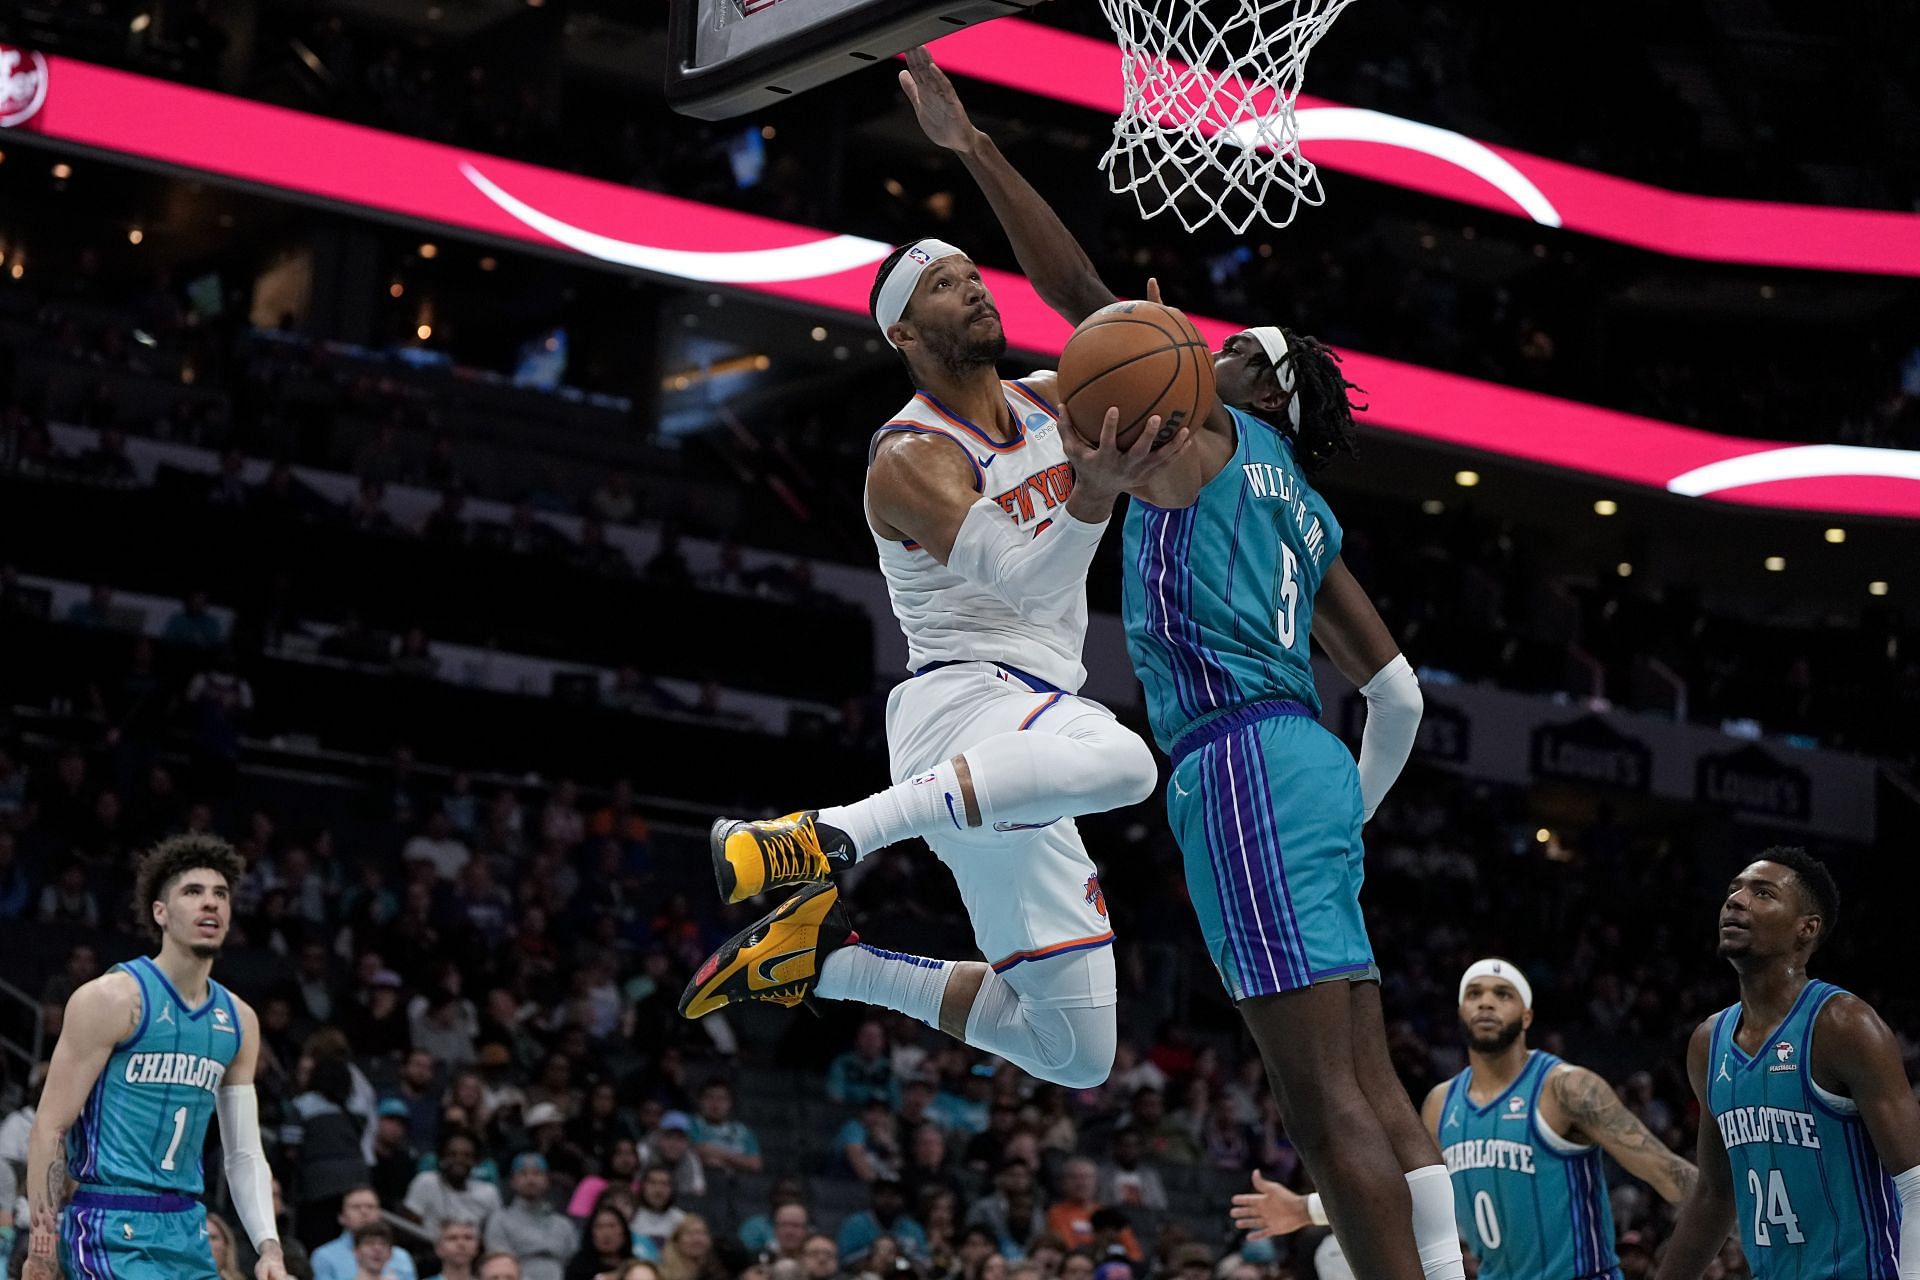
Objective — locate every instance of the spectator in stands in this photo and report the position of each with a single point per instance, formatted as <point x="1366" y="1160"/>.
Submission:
<point x="870" y="1144"/>
<point x="607" y="1244"/>
<point x="1071" y="1216"/>
<point x="373" y="1252"/>
<point x="418" y="1088"/>
<point x="335" y="1260"/>
<point x="928" y="1168"/>
<point x="722" y="1141"/>
<point x="1113" y="1236"/>
<point x="820" y="1257"/>
<point x="1012" y="1213"/>
<point x="600" y="1123"/>
<point x="457" y="1248"/>
<point x="781" y="1232"/>
<point x="194" y="624"/>
<point x="499" y="1266"/>
<point x="415" y="657"/>
<point x="529" y="1227"/>
<point x="1126" y="1181"/>
<point x="68" y="900"/>
<point x="438" y="846"/>
<point x="321" y="1142"/>
<point x="689" y="1254"/>
<point x="443" y="1022"/>
<point x="978" y="1246"/>
<point x="394" y="1158"/>
<point x="918" y="1090"/>
<point x="619" y="1170"/>
<point x="594" y="554"/>
<point x="1163" y="1138"/>
<point x="986" y="1149"/>
<point x="864" y="1071"/>
<point x="16" y="889"/>
<point x="671" y="1146"/>
<point x="377" y="1022"/>
<point x="449" y="1190"/>
<point x="226" y="1264"/>
<point x="447" y="525"/>
<point x="886" y="1216"/>
<point x="657" y="1214"/>
<point x="614" y="501"/>
<point x="560" y="820"/>
<point x="965" y="1105"/>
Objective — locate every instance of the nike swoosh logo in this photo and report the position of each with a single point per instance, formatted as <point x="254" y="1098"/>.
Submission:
<point x="993" y="458"/>
<point x="764" y="969"/>
<point x="957" y="824"/>
<point x="824" y="257"/>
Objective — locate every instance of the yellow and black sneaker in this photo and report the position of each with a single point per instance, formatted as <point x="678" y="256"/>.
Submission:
<point x="752" y="858"/>
<point x="777" y="958"/>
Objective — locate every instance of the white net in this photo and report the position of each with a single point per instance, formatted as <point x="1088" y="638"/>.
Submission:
<point x="1210" y="143"/>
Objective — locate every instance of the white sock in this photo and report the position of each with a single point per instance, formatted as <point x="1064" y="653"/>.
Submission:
<point x="1435" y="1233"/>
<point x="914" y="985"/>
<point x="1090" y="764"/>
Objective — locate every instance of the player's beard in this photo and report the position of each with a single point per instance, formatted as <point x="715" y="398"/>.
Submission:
<point x="203" y="950"/>
<point x="1499" y="1042"/>
<point x="962" y="350"/>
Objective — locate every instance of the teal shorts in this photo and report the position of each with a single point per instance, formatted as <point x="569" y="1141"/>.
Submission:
<point x="106" y="1235"/>
<point x="1266" y="806"/>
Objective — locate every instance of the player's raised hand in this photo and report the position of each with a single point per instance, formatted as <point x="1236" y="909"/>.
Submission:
<point x="936" y="103"/>
<point x="1104" y="471"/>
<point x="1268" y="1210"/>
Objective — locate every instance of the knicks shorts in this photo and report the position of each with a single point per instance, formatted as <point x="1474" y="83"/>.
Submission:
<point x="1031" y="892"/>
<point x="108" y="1235"/>
<point x="1266" y="806"/>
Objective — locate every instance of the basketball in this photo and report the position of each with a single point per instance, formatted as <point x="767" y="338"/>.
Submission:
<point x="1143" y="359"/>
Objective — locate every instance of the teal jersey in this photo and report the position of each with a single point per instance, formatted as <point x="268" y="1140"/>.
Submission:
<point x="1530" y="1204"/>
<point x="1812" y="1199"/>
<point x="1219" y="595"/>
<point x="145" y="1123"/>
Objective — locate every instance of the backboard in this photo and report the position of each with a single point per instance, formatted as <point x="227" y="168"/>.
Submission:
<point x="729" y="57"/>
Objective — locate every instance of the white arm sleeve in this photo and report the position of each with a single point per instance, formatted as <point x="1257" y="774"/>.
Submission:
<point x="1393" y="718"/>
<point x="1037" y="574"/>
<point x="248" y="1179"/>
<point x="1908" y="1186"/>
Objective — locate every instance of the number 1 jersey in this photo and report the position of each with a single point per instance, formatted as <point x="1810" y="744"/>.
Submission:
<point x="145" y="1123"/>
<point x="1219" y="595"/>
<point x="1811" y="1197"/>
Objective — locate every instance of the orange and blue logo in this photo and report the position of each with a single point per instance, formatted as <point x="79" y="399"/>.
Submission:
<point x="1096" y="899"/>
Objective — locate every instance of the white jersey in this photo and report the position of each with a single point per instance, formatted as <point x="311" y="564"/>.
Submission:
<point x="947" y="618"/>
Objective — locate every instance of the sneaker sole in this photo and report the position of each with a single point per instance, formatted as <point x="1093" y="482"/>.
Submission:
<point x="727" y="958"/>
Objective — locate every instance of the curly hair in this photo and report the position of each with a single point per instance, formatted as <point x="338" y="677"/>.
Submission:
<point x="175" y="856"/>
<point x="1327" y="431"/>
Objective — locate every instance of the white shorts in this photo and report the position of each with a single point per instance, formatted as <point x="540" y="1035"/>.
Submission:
<point x="1032" y="893"/>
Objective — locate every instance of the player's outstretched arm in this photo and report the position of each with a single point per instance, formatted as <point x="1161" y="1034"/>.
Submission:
<point x="1595" y="1110"/>
<point x="99" y="1015"/>
<point x="1349" y="628"/>
<point x="1706" y="1217"/>
<point x="249" y="1181"/>
<point x="1861" y="1052"/>
<point x="1053" y="260"/>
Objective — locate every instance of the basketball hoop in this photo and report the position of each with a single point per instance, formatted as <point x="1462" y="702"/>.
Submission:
<point x="1215" y="143"/>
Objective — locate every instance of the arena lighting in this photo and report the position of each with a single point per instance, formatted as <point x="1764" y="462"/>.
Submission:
<point x="1624" y="569"/>
<point x="1836" y="536"/>
<point x="1433" y="506"/>
<point x="341" y="165"/>
<point x="396" y="289"/>
<point x="1605" y="507"/>
<point x="62" y="171"/>
<point x="135" y="236"/>
<point x="424" y="332"/>
<point x="1776" y="564"/>
<point x="1876" y="588"/>
<point x="1085" y="72"/>
<point x="429" y="251"/>
<point x="680" y="381"/>
<point x="1466" y="479"/>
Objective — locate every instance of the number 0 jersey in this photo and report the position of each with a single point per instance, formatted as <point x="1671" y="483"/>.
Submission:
<point x="145" y="1123"/>
<point x="1219" y="595"/>
<point x="1532" y="1205"/>
<point x="1812" y="1199"/>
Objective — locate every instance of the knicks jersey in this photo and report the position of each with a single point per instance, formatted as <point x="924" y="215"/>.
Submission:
<point x="945" y="617"/>
<point x="1219" y="595"/>
<point x="1812" y="1199"/>
<point x="145" y="1123"/>
<point x="1529" y="1203"/>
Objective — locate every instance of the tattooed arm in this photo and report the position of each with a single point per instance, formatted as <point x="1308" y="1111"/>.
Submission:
<point x="1585" y="1107"/>
<point x="100" y="1015"/>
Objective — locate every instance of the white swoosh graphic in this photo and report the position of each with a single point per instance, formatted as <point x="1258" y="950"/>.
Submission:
<point x="1796" y="462"/>
<point x="825" y="257"/>
<point x="1355" y="124"/>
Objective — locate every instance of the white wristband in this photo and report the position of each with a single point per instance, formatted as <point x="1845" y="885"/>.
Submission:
<point x="1317" y="1211"/>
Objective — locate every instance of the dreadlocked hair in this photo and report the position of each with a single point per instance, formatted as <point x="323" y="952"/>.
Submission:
<point x="175" y="856"/>
<point x="1326" y="431"/>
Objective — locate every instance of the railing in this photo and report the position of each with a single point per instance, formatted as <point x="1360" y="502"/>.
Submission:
<point x="30" y="1057"/>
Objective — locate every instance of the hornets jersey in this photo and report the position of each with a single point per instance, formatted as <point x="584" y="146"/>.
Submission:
<point x="1529" y="1203"/>
<point x="1219" y="595"/>
<point x="145" y="1123"/>
<point x="1812" y="1200"/>
<point x="945" y="617"/>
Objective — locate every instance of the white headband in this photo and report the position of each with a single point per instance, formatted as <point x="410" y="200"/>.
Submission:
<point x="1502" y="970"/>
<point x="1274" y="342"/>
<point x="898" y="286"/>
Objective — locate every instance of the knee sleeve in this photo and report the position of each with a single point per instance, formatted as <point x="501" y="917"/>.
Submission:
<point x="1071" y="1047"/>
